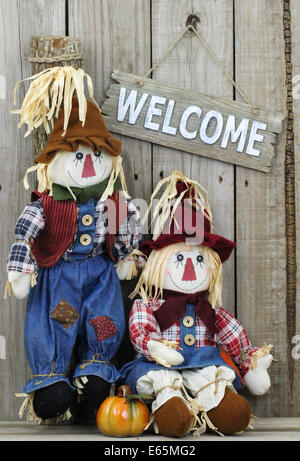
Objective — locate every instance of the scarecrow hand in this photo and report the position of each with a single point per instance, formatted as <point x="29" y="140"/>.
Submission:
<point x="128" y="267"/>
<point x="257" y="379"/>
<point x="20" y="283"/>
<point x="123" y="268"/>
<point x="164" y="355"/>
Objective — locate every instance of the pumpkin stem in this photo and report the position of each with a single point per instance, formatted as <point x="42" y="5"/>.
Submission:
<point x="123" y="391"/>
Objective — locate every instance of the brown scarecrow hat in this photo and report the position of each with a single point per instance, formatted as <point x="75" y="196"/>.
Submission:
<point x="93" y="133"/>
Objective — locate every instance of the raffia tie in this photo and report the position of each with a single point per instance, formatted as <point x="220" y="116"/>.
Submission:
<point x="48" y="375"/>
<point x="170" y="386"/>
<point x="201" y="420"/>
<point x="92" y="360"/>
<point x="216" y="381"/>
<point x="261" y="352"/>
<point x="62" y="57"/>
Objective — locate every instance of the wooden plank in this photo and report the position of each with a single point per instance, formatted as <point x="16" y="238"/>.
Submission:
<point x="266" y="429"/>
<point x="189" y="66"/>
<point x="295" y="43"/>
<point x="205" y="131"/>
<point x="260" y="199"/>
<point x="19" y="20"/>
<point x="115" y="33"/>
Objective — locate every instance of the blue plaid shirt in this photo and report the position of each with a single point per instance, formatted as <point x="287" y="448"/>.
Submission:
<point x="32" y="221"/>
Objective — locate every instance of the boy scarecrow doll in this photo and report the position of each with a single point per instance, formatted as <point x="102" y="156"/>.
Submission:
<point x="192" y="353"/>
<point x="68" y="240"/>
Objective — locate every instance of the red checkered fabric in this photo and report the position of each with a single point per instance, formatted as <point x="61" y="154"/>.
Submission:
<point x="230" y="335"/>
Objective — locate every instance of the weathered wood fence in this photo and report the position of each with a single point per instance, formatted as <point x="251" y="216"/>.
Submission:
<point x="253" y="40"/>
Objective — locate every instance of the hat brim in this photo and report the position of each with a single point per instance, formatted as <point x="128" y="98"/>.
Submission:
<point x="110" y="145"/>
<point x="219" y="244"/>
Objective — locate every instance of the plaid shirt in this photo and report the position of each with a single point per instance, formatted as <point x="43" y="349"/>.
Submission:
<point x="32" y="221"/>
<point x="230" y="335"/>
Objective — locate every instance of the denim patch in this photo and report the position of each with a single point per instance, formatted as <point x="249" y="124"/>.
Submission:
<point x="104" y="326"/>
<point x="65" y="314"/>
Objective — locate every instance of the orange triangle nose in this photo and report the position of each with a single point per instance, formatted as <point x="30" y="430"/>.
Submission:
<point x="88" y="167"/>
<point x="189" y="271"/>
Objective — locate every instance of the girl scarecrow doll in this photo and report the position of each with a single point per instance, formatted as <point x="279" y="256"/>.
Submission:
<point x="192" y="353"/>
<point x="68" y="240"/>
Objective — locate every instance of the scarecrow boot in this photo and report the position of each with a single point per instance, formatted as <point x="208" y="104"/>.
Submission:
<point x="53" y="401"/>
<point x="214" y="395"/>
<point x="172" y="413"/>
<point x="232" y="415"/>
<point x="93" y="390"/>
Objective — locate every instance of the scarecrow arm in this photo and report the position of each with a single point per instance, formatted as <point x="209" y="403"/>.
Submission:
<point x="20" y="264"/>
<point x="143" y="327"/>
<point x="232" y="337"/>
<point x="128" y="236"/>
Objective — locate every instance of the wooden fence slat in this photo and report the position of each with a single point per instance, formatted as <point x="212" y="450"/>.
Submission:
<point x="114" y="34"/>
<point x="19" y="21"/>
<point x="190" y="66"/>
<point x="260" y="199"/>
<point x="295" y="43"/>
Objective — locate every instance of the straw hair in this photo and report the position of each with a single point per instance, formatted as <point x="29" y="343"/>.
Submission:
<point x="150" y="284"/>
<point x="168" y="202"/>
<point x="50" y="89"/>
<point x="44" y="182"/>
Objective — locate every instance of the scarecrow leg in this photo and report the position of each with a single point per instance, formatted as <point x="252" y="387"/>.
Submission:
<point x="172" y="414"/>
<point x="214" y="394"/>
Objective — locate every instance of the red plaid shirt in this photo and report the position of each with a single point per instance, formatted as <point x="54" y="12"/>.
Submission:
<point x="230" y="335"/>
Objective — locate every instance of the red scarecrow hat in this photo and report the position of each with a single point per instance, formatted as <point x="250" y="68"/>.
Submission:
<point x="188" y="217"/>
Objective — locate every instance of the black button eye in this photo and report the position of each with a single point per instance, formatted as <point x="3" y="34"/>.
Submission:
<point x="200" y="259"/>
<point x="180" y="257"/>
<point x="98" y="154"/>
<point x="79" y="155"/>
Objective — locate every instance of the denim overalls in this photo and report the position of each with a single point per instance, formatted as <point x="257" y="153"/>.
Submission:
<point x="193" y="358"/>
<point x="79" y="298"/>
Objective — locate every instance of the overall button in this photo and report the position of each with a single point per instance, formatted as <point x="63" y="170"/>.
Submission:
<point x="188" y="321"/>
<point x="87" y="220"/>
<point x="189" y="340"/>
<point x="85" y="239"/>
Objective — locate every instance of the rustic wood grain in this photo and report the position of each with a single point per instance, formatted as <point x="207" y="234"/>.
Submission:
<point x="19" y="20"/>
<point x="183" y="99"/>
<point x="294" y="407"/>
<point x="51" y="51"/>
<point x="189" y="66"/>
<point x="117" y="33"/>
<point x="260" y="199"/>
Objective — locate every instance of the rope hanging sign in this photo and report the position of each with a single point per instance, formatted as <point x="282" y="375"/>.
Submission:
<point x="184" y="119"/>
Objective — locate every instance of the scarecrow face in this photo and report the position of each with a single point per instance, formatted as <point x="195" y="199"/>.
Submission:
<point x="81" y="168"/>
<point x="187" y="271"/>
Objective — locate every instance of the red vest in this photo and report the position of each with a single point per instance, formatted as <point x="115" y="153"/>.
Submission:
<point x="60" y="227"/>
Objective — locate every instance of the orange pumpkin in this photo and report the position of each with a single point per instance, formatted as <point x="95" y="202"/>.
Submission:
<point x="122" y="415"/>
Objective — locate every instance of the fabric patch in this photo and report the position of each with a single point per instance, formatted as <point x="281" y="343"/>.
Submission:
<point x="65" y="314"/>
<point x="104" y="327"/>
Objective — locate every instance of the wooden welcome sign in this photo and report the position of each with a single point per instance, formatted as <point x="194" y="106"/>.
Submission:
<point x="183" y="119"/>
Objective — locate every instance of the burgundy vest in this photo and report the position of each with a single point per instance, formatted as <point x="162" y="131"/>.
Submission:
<point x="60" y="227"/>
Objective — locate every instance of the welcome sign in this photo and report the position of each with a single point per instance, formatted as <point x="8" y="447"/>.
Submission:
<point x="183" y="119"/>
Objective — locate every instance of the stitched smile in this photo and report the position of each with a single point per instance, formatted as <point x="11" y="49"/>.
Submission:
<point x="81" y="185"/>
<point x="191" y="289"/>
